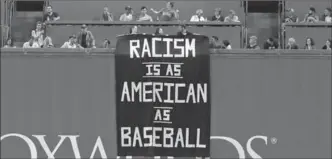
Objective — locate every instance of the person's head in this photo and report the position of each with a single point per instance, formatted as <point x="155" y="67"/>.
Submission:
<point x="226" y="42"/>
<point x="291" y="41"/>
<point x="253" y="40"/>
<point x="39" y="25"/>
<point x="128" y="10"/>
<point x="312" y="10"/>
<point x="329" y="43"/>
<point x="309" y="42"/>
<point x="105" y="9"/>
<point x="232" y="12"/>
<point x="159" y="31"/>
<point x="106" y="43"/>
<point x="170" y="5"/>
<point x="328" y="12"/>
<point x="182" y="28"/>
<point x="10" y="42"/>
<point x="199" y="12"/>
<point x="214" y="39"/>
<point x="290" y="10"/>
<point x="270" y="40"/>
<point x="144" y="10"/>
<point x="84" y="28"/>
<point x="49" y="9"/>
<point x="72" y="39"/>
<point x="133" y="30"/>
<point x="217" y="11"/>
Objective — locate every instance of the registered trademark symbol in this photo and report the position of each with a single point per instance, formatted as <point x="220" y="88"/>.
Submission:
<point x="274" y="140"/>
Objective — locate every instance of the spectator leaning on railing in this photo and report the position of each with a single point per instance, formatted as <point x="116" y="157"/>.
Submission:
<point x="232" y="17"/>
<point x="290" y="16"/>
<point x="311" y="17"/>
<point x="183" y="31"/>
<point x="309" y="44"/>
<point x="144" y="16"/>
<point x="71" y="43"/>
<point x="270" y="44"/>
<point x="168" y="13"/>
<point x="328" y="45"/>
<point x="198" y="17"/>
<point x="107" y="15"/>
<point x="218" y="15"/>
<point x="327" y="16"/>
<point x="50" y="15"/>
<point x="86" y="38"/>
<point x="292" y="44"/>
<point x="128" y="15"/>
<point x="253" y="43"/>
<point x="9" y="43"/>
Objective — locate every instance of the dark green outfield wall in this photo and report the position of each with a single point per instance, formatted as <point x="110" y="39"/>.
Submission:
<point x="286" y="98"/>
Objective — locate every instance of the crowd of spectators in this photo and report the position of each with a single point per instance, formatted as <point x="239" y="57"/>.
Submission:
<point x="86" y="39"/>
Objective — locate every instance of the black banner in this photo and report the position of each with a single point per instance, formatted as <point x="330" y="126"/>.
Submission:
<point x="163" y="96"/>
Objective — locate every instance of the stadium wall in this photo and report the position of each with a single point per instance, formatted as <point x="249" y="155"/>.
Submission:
<point x="286" y="98"/>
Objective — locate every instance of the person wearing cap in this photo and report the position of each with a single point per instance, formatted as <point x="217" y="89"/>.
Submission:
<point x="85" y="38"/>
<point x="232" y="17"/>
<point x="290" y="16"/>
<point x="218" y="15"/>
<point x="183" y="31"/>
<point x="71" y="43"/>
<point x="128" y="15"/>
<point x="311" y="17"/>
<point x="198" y="17"/>
<point x="168" y="13"/>
<point x="253" y="43"/>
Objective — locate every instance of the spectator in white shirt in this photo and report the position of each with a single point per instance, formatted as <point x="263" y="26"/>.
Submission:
<point x="38" y="34"/>
<point x="232" y="17"/>
<point x="144" y="16"/>
<point x="327" y="17"/>
<point x="198" y="17"/>
<point x="128" y="16"/>
<point x="71" y="43"/>
<point x="32" y="43"/>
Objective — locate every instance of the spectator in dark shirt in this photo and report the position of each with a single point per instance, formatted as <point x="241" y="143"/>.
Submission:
<point x="309" y="44"/>
<point x="9" y="43"/>
<point x="328" y="45"/>
<point x="107" y="16"/>
<point x="311" y="17"/>
<point x="159" y="31"/>
<point x="217" y="15"/>
<point x="50" y="15"/>
<point x="290" y="16"/>
<point x="253" y="43"/>
<point x="86" y="38"/>
<point x="168" y="13"/>
<point x="183" y="31"/>
<point x="292" y="44"/>
<point x="327" y="16"/>
<point x="270" y="44"/>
